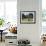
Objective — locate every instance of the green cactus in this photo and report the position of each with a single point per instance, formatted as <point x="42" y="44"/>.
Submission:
<point x="1" y="22"/>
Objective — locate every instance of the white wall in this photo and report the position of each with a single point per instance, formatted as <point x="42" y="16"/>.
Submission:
<point x="30" y="31"/>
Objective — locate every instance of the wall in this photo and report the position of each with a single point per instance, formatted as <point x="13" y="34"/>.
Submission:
<point x="30" y="31"/>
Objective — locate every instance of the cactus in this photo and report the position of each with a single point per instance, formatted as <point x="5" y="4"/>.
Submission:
<point x="1" y="22"/>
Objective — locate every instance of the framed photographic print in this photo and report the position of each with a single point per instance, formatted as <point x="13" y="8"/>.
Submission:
<point x="27" y="17"/>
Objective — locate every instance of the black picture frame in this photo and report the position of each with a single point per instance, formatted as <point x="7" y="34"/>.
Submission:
<point x="27" y="17"/>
